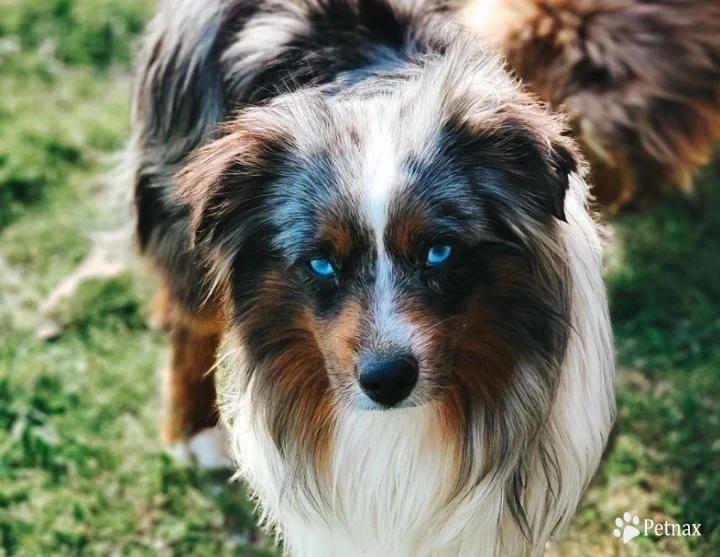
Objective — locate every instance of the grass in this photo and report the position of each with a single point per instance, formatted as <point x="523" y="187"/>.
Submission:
<point x="81" y="471"/>
<point x="665" y="303"/>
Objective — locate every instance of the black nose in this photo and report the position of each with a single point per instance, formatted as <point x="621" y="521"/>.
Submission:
<point x="388" y="381"/>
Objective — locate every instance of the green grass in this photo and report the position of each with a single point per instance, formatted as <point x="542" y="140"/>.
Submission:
<point x="665" y="301"/>
<point x="91" y="32"/>
<point x="81" y="470"/>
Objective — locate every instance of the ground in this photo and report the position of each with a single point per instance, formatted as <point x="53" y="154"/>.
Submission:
<point x="81" y="470"/>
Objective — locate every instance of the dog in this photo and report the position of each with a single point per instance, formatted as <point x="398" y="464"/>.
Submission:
<point x="640" y="80"/>
<point x="392" y="241"/>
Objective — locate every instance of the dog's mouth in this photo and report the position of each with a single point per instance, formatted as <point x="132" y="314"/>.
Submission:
<point x="362" y="402"/>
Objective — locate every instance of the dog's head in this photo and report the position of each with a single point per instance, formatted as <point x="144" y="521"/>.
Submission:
<point x="392" y="246"/>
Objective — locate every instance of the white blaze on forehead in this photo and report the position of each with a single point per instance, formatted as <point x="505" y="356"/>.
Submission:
<point x="379" y="176"/>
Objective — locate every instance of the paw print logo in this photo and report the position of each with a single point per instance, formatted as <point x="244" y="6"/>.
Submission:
<point x="629" y="531"/>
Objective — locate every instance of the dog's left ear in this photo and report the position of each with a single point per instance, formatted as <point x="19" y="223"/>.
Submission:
<point x="538" y="162"/>
<point x="533" y="154"/>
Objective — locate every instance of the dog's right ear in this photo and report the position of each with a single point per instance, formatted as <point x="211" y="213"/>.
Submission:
<point x="224" y="185"/>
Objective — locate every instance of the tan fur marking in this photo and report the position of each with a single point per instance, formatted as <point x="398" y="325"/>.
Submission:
<point x="189" y="383"/>
<point x="407" y="231"/>
<point x="339" y="237"/>
<point x="339" y="341"/>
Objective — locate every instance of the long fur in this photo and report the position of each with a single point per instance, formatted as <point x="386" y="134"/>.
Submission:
<point x="268" y="132"/>
<point x="392" y="474"/>
<point x="640" y="80"/>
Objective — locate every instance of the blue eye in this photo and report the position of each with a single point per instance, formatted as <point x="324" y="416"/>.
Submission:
<point x="322" y="267"/>
<point x="438" y="254"/>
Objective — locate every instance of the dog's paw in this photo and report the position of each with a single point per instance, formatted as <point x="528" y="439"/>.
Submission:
<point x="206" y="449"/>
<point x="209" y="449"/>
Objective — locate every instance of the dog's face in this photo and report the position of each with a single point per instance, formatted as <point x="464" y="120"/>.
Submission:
<point x="379" y="255"/>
